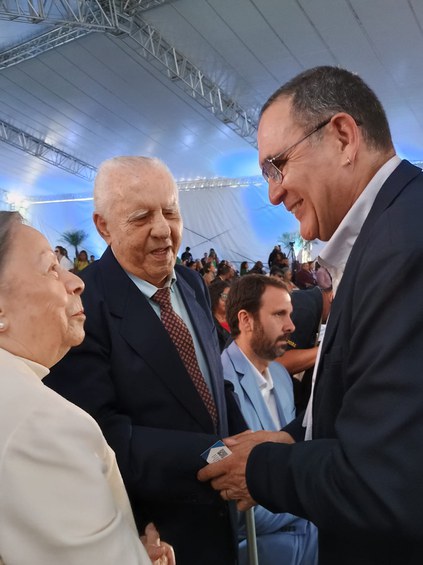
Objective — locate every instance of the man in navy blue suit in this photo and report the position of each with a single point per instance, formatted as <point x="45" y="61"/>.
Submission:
<point x="129" y="373"/>
<point x="325" y="149"/>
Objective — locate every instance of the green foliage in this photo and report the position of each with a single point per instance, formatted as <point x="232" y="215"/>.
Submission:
<point x="74" y="238"/>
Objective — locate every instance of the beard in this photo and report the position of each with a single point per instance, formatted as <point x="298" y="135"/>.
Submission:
<point x="264" y="347"/>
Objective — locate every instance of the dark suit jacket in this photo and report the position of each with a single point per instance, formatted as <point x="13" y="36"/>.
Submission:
<point x="128" y="375"/>
<point x="360" y="480"/>
<point x="306" y="315"/>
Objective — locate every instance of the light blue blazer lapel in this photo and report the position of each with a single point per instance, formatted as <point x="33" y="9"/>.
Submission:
<point x="283" y="392"/>
<point x="255" y="407"/>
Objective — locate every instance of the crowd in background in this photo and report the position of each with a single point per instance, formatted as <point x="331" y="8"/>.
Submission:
<point x="295" y="275"/>
<point x="310" y="286"/>
<point x="80" y="262"/>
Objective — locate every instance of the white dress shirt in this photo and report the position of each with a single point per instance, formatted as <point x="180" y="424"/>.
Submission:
<point x="265" y="384"/>
<point x="336" y="252"/>
<point x="179" y="307"/>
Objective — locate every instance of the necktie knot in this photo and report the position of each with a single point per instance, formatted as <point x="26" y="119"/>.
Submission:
<point x="162" y="297"/>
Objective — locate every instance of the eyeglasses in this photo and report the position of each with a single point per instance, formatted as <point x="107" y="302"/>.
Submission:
<point x="271" y="169"/>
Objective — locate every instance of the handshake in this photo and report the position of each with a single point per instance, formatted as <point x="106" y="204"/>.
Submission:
<point x="228" y="475"/>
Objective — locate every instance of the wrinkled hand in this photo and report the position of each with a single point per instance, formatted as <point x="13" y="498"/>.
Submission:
<point x="228" y="475"/>
<point x="160" y="552"/>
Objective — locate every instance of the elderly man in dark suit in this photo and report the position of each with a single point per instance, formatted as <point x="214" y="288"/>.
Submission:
<point x="326" y="151"/>
<point x="153" y="383"/>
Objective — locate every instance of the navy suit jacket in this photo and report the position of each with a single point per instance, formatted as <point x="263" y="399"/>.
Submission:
<point x="360" y="479"/>
<point x="128" y="375"/>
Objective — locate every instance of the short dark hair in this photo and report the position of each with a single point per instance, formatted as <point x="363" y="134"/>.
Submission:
<point x="215" y="290"/>
<point x="246" y="293"/>
<point x="319" y="93"/>
<point x="223" y="269"/>
<point x="62" y="250"/>
<point x="278" y="271"/>
<point x="8" y="221"/>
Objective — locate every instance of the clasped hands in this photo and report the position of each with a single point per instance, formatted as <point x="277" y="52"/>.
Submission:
<point x="160" y="552"/>
<point x="228" y="475"/>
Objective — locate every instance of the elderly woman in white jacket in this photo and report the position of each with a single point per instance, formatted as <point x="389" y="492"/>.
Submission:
<point x="62" y="499"/>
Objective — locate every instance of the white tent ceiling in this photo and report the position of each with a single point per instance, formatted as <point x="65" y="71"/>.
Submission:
<point x="102" y="95"/>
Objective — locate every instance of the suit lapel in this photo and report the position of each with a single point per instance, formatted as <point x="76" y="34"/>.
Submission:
<point x="143" y="331"/>
<point x="202" y="327"/>
<point x="280" y="392"/>
<point x="248" y="383"/>
<point x="392" y="187"/>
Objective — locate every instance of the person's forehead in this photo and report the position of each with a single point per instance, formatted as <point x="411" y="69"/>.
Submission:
<point x="148" y="190"/>
<point x="276" y="297"/>
<point x="145" y="175"/>
<point x="275" y="128"/>
<point x="28" y="240"/>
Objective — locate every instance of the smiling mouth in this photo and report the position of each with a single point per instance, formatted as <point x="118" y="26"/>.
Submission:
<point x="296" y="206"/>
<point x="160" y="251"/>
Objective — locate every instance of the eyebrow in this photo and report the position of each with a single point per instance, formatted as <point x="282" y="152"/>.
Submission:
<point x="142" y="213"/>
<point x="271" y="159"/>
<point x="47" y="253"/>
<point x="137" y="214"/>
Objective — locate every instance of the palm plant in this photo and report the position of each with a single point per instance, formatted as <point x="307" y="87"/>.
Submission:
<point x="74" y="238"/>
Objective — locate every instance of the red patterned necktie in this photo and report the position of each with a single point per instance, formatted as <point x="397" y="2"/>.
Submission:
<point x="183" y="342"/>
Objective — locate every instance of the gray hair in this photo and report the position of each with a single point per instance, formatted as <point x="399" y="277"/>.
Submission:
<point x="106" y="192"/>
<point x="319" y="93"/>
<point x="8" y="221"/>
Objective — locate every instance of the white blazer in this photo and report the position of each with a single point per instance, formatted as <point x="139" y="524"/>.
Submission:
<point x="62" y="498"/>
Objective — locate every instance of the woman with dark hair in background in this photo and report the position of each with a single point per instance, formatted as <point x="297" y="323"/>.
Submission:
<point x="62" y="257"/>
<point x="243" y="268"/>
<point x="219" y="291"/>
<point x="81" y="261"/>
<point x="257" y="269"/>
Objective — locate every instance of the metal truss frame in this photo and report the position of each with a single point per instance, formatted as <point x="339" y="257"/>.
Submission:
<point x="183" y="185"/>
<point x="46" y="152"/>
<point x="219" y="182"/>
<point x="40" y="44"/>
<point x="122" y="17"/>
<point x="188" y="77"/>
<point x="79" y="11"/>
<point x="91" y="13"/>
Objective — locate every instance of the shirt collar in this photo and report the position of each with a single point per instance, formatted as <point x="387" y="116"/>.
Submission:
<point x="149" y="289"/>
<point x="264" y="381"/>
<point x="336" y="252"/>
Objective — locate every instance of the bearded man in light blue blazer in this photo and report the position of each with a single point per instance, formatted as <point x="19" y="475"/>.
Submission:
<point x="258" y="312"/>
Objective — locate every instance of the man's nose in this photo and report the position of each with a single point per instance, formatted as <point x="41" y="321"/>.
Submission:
<point x="160" y="227"/>
<point x="289" y="326"/>
<point x="276" y="192"/>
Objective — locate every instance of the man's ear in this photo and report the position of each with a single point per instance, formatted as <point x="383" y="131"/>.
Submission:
<point x="347" y="134"/>
<point x="245" y="321"/>
<point x="101" y="225"/>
